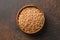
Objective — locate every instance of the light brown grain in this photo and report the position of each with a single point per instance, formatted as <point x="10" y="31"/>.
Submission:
<point x="31" y="20"/>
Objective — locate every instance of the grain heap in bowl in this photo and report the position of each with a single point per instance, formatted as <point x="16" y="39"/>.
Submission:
<point x="30" y="19"/>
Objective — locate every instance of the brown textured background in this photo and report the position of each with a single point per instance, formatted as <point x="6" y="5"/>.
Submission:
<point x="9" y="29"/>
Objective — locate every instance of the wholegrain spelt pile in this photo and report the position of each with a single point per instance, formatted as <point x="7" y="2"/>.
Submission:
<point x="31" y="20"/>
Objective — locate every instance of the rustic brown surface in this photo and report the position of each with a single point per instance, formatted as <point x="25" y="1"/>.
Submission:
<point x="9" y="29"/>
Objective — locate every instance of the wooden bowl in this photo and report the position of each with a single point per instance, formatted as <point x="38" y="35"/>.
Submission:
<point x="30" y="19"/>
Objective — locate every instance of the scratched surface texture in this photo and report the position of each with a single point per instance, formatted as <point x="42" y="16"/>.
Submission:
<point x="9" y="29"/>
